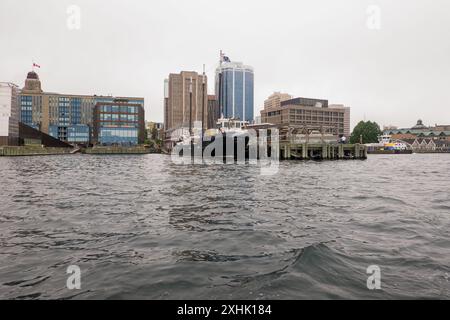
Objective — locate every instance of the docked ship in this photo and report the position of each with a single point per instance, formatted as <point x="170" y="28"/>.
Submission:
<point x="230" y="130"/>
<point x="387" y="145"/>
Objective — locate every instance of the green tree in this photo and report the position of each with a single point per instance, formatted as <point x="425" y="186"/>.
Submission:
<point x="146" y="137"/>
<point x="154" y="134"/>
<point x="368" y="130"/>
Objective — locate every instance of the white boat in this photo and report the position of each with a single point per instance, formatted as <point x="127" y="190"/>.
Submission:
<point x="232" y="127"/>
<point x="387" y="144"/>
<point x="228" y="127"/>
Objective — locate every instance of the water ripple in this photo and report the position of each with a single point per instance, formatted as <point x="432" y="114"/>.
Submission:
<point x="141" y="227"/>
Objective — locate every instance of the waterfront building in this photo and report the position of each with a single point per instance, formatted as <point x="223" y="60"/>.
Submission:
<point x="119" y="121"/>
<point x="235" y="90"/>
<point x="67" y="117"/>
<point x="9" y="114"/>
<point x="423" y="145"/>
<point x="334" y="119"/>
<point x="421" y="132"/>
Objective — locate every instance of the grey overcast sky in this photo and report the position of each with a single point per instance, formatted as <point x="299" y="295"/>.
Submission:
<point x="332" y="49"/>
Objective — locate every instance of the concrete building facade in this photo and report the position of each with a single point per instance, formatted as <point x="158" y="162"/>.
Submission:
<point x="177" y="100"/>
<point x="335" y="119"/>
<point x="275" y="100"/>
<point x="9" y="114"/>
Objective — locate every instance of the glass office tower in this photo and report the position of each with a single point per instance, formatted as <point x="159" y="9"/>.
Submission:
<point x="235" y="90"/>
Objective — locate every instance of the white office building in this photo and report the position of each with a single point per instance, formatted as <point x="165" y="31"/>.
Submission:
<point x="9" y="114"/>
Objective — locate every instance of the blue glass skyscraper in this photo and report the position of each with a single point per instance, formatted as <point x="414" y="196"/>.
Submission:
<point x="235" y="90"/>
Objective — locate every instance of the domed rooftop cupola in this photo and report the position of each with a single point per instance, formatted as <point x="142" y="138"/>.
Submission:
<point x="32" y="83"/>
<point x="32" y="75"/>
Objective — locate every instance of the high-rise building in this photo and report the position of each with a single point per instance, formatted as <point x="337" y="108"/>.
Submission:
<point x="235" y="90"/>
<point x="178" y="111"/>
<point x="67" y="117"/>
<point x="9" y="114"/>
<point x="310" y="112"/>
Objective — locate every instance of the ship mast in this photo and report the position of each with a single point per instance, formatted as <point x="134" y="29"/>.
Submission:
<point x="220" y="93"/>
<point x="203" y="104"/>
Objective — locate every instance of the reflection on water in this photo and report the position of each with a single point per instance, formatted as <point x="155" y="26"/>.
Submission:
<point x="141" y="227"/>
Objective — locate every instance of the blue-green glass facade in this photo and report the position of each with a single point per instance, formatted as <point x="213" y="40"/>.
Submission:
<point x="76" y="133"/>
<point x="122" y="136"/>
<point x="70" y="125"/>
<point x="26" y="110"/>
<point x="119" y="122"/>
<point x="236" y="86"/>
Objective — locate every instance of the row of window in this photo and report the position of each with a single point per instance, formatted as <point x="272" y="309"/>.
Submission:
<point x="118" y="117"/>
<point x="119" y="132"/>
<point x="315" y="112"/>
<point x="118" y="136"/>
<point x="117" y="109"/>
<point x="119" y="124"/>
<point x="316" y="118"/>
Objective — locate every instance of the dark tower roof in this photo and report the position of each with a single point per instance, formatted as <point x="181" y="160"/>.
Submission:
<point x="32" y="75"/>
<point x="32" y="83"/>
<point x="419" y="125"/>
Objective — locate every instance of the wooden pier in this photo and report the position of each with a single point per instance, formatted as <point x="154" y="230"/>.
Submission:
<point x="313" y="143"/>
<point x="322" y="151"/>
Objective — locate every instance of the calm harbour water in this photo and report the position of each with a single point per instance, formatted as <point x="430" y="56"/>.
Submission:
<point x="142" y="227"/>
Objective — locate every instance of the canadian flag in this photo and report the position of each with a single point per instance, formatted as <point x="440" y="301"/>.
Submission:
<point x="36" y="65"/>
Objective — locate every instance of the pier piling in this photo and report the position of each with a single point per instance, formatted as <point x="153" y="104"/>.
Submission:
<point x="322" y="151"/>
